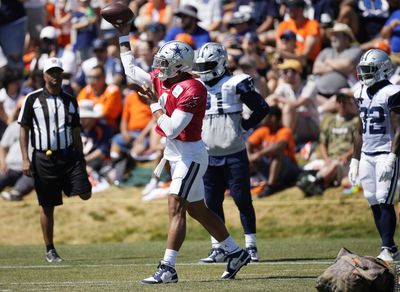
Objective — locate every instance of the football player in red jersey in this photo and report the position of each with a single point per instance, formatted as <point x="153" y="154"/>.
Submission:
<point x="178" y="103"/>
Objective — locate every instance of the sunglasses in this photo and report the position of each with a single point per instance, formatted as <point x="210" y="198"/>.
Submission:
<point x="94" y="77"/>
<point x="245" y="67"/>
<point x="287" y="38"/>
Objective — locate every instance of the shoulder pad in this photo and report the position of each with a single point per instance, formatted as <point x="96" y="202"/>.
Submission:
<point x="391" y="89"/>
<point x="243" y="83"/>
<point x="236" y="79"/>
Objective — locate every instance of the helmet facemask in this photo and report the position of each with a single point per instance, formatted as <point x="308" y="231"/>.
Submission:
<point x="165" y="70"/>
<point x="172" y="58"/>
<point x="208" y="70"/>
<point x="210" y="62"/>
<point x="375" y="65"/>
<point x="367" y="74"/>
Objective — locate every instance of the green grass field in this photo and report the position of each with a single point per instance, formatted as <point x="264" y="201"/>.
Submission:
<point x="115" y="239"/>
<point x="286" y="265"/>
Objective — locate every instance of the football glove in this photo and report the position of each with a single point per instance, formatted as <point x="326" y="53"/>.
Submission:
<point x="353" y="171"/>
<point x="388" y="167"/>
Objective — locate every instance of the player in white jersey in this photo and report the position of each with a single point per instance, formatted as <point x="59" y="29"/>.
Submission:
<point x="375" y="160"/>
<point x="178" y="104"/>
<point x="223" y="132"/>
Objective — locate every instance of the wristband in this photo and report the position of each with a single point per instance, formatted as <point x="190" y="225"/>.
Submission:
<point x="355" y="162"/>
<point x="155" y="107"/>
<point x="124" y="39"/>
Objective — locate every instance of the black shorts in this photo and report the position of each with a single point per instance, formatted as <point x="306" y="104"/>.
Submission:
<point x="63" y="171"/>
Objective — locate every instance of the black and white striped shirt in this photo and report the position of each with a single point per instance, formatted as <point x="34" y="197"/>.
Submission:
<point x="50" y="119"/>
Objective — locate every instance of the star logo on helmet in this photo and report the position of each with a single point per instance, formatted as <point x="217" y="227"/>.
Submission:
<point x="219" y="51"/>
<point x="178" y="51"/>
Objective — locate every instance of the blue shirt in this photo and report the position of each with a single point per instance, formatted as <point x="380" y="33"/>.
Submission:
<point x="84" y="36"/>
<point x="199" y="35"/>
<point x="99" y="137"/>
<point x="260" y="9"/>
<point x="395" y="38"/>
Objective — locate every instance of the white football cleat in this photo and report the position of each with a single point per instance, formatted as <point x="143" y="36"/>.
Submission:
<point x="388" y="256"/>
<point x="253" y="252"/>
<point x="164" y="275"/>
<point x="216" y="255"/>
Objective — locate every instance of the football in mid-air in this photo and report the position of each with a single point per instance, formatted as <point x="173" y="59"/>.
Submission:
<point x="117" y="13"/>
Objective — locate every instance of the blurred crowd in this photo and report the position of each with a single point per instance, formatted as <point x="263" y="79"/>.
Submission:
<point x="302" y="55"/>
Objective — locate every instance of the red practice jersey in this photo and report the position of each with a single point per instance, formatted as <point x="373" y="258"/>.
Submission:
<point x="189" y="96"/>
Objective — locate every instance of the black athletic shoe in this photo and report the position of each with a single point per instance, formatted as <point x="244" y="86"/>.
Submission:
<point x="165" y="274"/>
<point x="235" y="262"/>
<point x="53" y="257"/>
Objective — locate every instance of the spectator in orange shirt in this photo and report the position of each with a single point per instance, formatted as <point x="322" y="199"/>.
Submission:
<point x="155" y="11"/>
<point x="308" y="39"/>
<point x="136" y="117"/>
<point x="133" y="139"/>
<point x="272" y="152"/>
<point x="107" y="98"/>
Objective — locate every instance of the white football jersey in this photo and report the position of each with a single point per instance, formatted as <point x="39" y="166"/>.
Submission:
<point x="222" y="131"/>
<point x="224" y="97"/>
<point x="375" y="116"/>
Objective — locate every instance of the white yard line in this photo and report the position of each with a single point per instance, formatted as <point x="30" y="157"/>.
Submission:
<point x="63" y="266"/>
<point x="53" y="284"/>
<point x="69" y="283"/>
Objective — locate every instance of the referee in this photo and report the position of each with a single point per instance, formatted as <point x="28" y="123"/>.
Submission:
<point x="51" y="116"/>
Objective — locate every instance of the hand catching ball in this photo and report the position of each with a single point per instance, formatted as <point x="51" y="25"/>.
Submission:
<point x="117" y="14"/>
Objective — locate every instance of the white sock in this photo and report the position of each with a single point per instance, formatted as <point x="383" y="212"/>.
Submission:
<point x="250" y="239"/>
<point x="229" y="245"/>
<point x="170" y="256"/>
<point x="214" y="243"/>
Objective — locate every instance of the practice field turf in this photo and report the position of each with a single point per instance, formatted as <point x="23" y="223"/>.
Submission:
<point x="286" y="265"/>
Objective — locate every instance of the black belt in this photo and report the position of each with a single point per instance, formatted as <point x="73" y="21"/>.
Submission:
<point x="222" y="114"/>
<point x="376" y="153"/>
